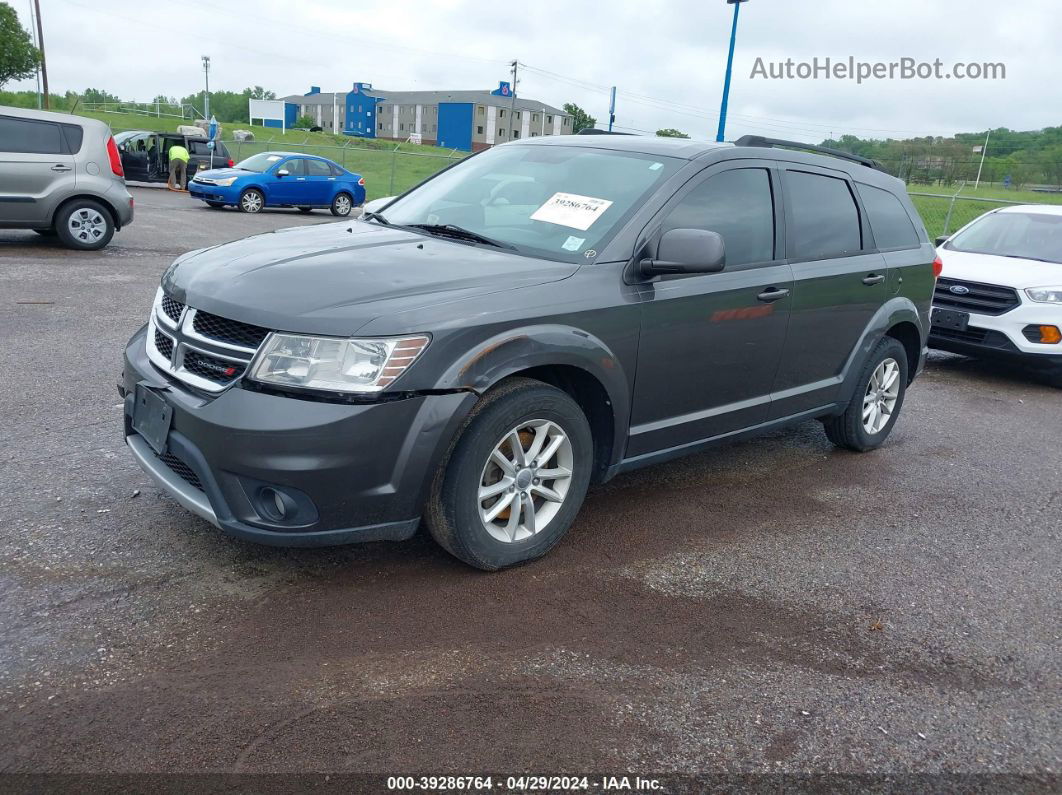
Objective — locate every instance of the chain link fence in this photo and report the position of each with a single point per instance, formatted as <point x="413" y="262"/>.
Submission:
<point x="945" y="213"/>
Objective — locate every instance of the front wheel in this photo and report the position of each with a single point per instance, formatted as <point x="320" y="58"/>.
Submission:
<point x="875" y="406"/>
<point x="341" y="204"/>
<point x="252" y="201"/>
<point x="515" y="479"/>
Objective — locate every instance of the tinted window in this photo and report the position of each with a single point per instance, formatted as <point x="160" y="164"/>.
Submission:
<point x="318" y="168"/>
<point x="32" y="137"/>
<point x="336" y="171"/>
<point x="825" y="217"/>
<point x="198" y="148"/>
<point x="74" y="135"/>
<point x="889" y="221"/>
<point x="736" y="204"/>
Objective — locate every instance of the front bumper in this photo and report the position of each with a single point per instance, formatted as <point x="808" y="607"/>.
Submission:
<point x="355" y="471"/>
<point x="213" y="193"/>
<point x="1001" y="336"/>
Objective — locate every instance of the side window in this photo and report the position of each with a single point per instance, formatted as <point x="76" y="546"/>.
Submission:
<point x="29" y="137"/>
<point x="825" y="217"/>
<point x="336" y="171"/>
<point x="889" y="221"/>
<point x="198" y="148"/>
<point x="318" y="168"/>
<point x="739" y="206"/>
<point x="74" y="134"/>
<point x="295" y="167"/>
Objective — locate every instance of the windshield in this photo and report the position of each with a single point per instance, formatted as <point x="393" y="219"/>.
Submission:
<point x="261" y="162"/>
<point x="553" y="201"/>
<point x="1025" y="235"/>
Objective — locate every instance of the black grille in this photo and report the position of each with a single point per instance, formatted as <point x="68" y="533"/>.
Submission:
<point x="230" y="331"/>
<point x="164" y="344"/>
<point x="172" y="308"/>
<point x="182" y="469"/>
<point x="220" y="371"/>
<point x="984" y="338"/>
<point x="983" y="299"/>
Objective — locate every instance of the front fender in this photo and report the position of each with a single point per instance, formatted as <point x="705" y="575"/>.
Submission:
<point x="520" y="349"/>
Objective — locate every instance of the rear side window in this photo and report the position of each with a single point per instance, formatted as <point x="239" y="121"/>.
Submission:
<point x="336" y="171"/>
<point x="198" y="148"/>
<point x="825" y="217"/>
<point x="29" y="137"/>
<point x="736" y="204"/>
<point x="889" y="221"/>
<point x="318" y="168"/>
<point x="74" y="134"/>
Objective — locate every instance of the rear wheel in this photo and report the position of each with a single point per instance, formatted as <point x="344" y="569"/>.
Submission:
<point x="84" y="224"/>
<point x="515" y="479"/>
<point x="342" y="204"/>
<point x="252" y="201"/>
<point x="876" y="404"/>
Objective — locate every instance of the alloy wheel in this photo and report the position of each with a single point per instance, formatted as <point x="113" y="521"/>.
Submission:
<point x="251" y="201"/>
<point x="342" y="204"/>
<point x="525" y="480"/>
<point x="879" y="401"/>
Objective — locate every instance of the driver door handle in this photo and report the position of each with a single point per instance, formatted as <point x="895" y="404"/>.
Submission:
<point x="60" y="167"/>
<point x="773" y="294"/>
<point x="873" y="278"/>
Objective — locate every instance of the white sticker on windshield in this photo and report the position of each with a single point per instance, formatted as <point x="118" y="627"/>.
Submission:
<point x="571" y="210"/>
<point x="656" y="166"/>
<point x="573" y="243"/>
<point x="273" y="158"/>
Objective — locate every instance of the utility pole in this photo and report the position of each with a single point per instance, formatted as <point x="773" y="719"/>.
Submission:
<point x="206" y="94"/>
<point x="543" y="133"/>
<point x="40" y="46"/>
<point x="611" y="108"/>
<point x="512" y="101"/>
<point x="729" y="68"/>
<point x="33" y="35"/>
<point x="984" y="151"/>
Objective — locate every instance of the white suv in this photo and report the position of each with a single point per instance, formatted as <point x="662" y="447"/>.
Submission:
<point x="1000" y="292"/>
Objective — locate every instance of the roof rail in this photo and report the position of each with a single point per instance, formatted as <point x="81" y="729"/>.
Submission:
<point x="595" y="131"/>
<point x="759" y="140"/>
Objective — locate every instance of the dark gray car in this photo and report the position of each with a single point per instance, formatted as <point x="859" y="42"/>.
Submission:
<point x="538" y="317"/>
<point x="61" y="174"/>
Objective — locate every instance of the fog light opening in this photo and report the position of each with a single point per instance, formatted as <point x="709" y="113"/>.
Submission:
<point x="275" y="504"/>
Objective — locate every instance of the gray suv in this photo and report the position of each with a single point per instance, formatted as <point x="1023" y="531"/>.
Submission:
<point x="61" y="174"/>
<point x="538" y="317"/>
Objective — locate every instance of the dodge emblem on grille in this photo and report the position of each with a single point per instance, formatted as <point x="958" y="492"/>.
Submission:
<point x="959" y="289"/>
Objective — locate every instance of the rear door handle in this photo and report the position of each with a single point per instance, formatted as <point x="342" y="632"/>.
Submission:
<point x="873" y="278"/>
<point x="773" y="294"/>
<point x="60" y="167"/>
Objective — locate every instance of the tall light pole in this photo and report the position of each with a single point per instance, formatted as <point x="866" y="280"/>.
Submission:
<point x="206" y="94"/>
<point x="40" y="46"/>
<point x="729" y="66"/>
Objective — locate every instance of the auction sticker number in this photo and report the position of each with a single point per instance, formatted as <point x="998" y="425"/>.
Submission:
<point x="571" y="210"/>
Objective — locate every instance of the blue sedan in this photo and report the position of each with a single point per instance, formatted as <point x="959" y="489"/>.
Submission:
<point x="280" y="179"/>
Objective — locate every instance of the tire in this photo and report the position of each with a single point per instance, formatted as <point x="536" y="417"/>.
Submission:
<point x="342" y="204"/>
<point x="852" y="430"/>
<point x="305" y="209"/>
<point x="455" y="515"/>
<point x="85" y="225"/>
<point x="215" y="205"/>
<point x="251" y="201"/>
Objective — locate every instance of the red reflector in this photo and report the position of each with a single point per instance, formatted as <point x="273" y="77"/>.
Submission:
<point x="938" y="267"/>
<point x="115" y="158"/>
<point x="362" y="182"/>
<point x="231" y="164"/>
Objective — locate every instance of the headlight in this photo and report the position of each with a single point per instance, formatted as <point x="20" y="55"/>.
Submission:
<point x="224" y="183"/>
<point x="1045" y="295"/>
<point x="336" y="364"/>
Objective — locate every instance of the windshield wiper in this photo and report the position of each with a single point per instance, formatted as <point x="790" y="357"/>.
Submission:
<point x="370" y="215"/>
<point x="460" y="233"/>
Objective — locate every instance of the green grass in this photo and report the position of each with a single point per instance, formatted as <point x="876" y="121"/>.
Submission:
<point x="388" y="167"/>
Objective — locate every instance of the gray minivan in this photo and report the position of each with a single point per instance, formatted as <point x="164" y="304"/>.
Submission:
<point x="61" y="174"/>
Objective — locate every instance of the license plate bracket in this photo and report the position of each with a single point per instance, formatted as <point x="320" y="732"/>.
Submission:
<point x="151" y="418"/>
<point x="950" y="319"/>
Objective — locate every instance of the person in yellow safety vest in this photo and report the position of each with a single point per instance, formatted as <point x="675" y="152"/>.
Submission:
<point x="178" y="167"/>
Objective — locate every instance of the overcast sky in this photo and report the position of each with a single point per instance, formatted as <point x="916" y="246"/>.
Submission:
<point x="667" y="58"/>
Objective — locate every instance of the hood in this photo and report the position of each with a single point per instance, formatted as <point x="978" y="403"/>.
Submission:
<point x="993" y="269"/>
<point x="334" y="278"/>
<point x="222" y="173"/>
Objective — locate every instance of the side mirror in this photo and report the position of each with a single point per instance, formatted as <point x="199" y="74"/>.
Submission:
<point x="686" y="251"/>
<point x="282" y="172"/>
<point x="940" y="241"/>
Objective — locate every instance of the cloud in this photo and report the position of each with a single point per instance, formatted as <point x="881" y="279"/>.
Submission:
<point x="667" y="58"/>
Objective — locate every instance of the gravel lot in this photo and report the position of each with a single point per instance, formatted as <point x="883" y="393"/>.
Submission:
<point x="772" y="605"/>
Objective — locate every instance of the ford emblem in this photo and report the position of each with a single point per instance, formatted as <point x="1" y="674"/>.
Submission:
<point x="958" y="289"/>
